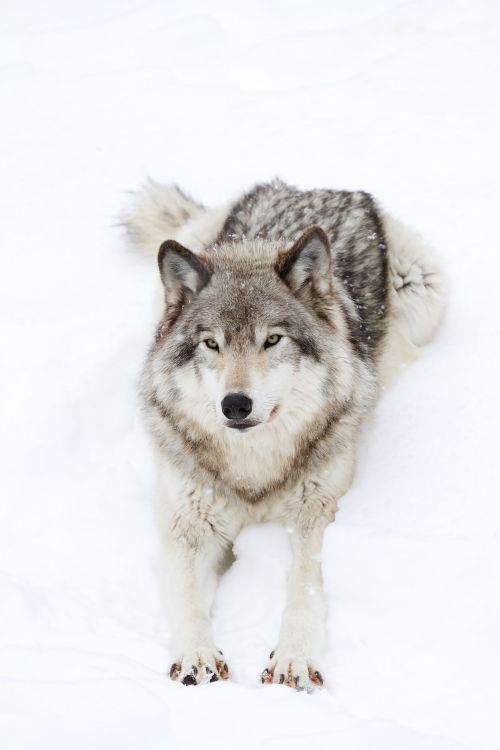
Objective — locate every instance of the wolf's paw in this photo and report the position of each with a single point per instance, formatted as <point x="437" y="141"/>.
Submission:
<point x="200" y="666"/>
<point x="296" y="673"/>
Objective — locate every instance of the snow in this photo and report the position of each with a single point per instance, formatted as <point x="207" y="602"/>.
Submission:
<point x="398" y="97"/>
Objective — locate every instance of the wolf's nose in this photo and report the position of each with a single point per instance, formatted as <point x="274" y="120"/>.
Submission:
<point x="236" y="406"/>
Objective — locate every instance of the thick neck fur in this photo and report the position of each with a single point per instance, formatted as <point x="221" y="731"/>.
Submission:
<point x="258" y="463"/>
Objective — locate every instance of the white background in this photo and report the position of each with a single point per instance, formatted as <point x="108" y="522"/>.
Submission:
<point x="396" y="97"/>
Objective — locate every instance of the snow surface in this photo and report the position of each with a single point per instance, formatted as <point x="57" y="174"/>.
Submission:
<point x="397" y="97"/>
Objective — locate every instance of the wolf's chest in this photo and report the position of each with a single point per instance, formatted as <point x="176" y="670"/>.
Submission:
<point x="256" y="464"/>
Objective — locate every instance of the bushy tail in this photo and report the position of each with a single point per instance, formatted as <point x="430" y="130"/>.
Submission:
<point x="417" y="297"/>
<point x="418" y="289"/>
<point x="157" y="212"/>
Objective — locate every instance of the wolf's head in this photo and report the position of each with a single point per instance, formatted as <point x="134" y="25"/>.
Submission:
<point x="251" y="364"/>
<point x="252" y="336"/>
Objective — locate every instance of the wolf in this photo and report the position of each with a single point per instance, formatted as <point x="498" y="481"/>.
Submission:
<point x="282" y="316"/>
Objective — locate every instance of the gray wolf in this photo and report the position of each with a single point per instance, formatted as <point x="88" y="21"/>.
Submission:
<point x="282" y="316"/>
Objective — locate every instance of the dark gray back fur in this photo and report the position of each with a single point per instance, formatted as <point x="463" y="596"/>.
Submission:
<point x="276" y="211"/>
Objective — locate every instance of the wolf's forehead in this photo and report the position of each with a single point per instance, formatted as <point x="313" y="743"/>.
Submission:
<point x="240" y="299"/>
<point x="240" y="311"/>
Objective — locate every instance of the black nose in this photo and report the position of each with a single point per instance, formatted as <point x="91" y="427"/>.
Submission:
<point x="236" y="406"/>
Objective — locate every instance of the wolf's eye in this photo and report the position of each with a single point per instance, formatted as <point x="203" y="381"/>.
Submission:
<point x="212" y="344"/>
<point x="271" y="340"/>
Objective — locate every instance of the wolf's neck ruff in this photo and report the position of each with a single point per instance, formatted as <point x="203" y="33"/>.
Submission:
<point x="230" y="461"/>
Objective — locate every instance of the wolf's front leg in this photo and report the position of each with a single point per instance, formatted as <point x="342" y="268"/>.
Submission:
<point x="294" y="662"/>
<point x="194" y="550"/>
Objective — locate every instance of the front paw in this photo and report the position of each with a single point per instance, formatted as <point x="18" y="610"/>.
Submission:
<point x="295" y="672"/>
<point x="199" y="666"/>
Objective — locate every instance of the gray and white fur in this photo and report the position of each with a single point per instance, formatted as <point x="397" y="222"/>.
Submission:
<point x="282" y="316"/>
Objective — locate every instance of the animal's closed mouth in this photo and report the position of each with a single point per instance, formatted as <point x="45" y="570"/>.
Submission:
<point x="241" y="426"/>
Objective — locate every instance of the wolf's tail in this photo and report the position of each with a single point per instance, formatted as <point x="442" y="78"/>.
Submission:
<point x="157" y="213"/>
<point x="417" y="296"/>
<point x="418" y="288"/>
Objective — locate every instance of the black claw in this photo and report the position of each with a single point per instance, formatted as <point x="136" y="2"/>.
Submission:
<point x="297" y="686"/>
<point x="271" y="654"/>
<point x="214" y="678"/>
<point x="282" y="679"/>
<point x="226" y="668"/>
<point x="173" y="669"/>
<point x="319" y="677"/>
<point x="194" y="670"/>
<point x="189" y="679"/>
<point x="264" y="674"/>
<point x="220" y="652"/>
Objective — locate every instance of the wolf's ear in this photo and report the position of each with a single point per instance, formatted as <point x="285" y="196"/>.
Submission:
<point x="182" y="272"/>
<point x="307" y="264"/>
